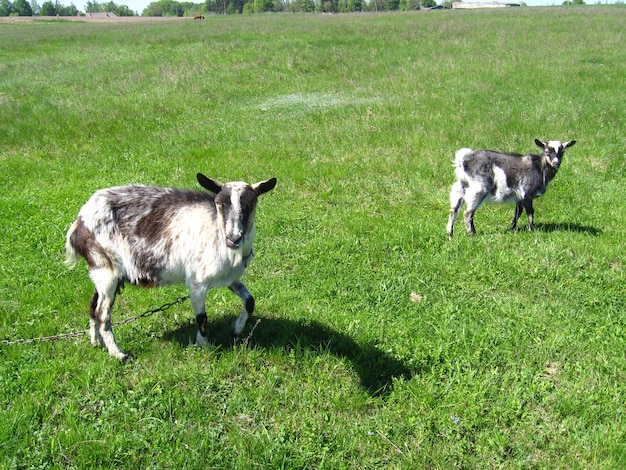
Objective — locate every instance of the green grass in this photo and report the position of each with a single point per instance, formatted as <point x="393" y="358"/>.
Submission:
<point x="381" y="344"/>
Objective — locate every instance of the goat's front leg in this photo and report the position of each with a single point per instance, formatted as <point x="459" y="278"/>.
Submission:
<point x="518" y="211"/>
<point x="197" y="294"/>
<point x="248" y="307"/>
<point x="528" y="205"/>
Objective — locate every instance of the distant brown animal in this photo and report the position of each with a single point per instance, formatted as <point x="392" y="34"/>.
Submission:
<point x="198" y="17"/>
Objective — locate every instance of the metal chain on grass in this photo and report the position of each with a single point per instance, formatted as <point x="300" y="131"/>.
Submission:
<point x="74" y="334"/>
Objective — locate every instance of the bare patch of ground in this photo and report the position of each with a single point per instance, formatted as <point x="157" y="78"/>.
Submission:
<point x="89" y="19"/>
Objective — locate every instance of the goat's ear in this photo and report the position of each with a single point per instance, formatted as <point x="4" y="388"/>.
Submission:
<point x="264" y="186"/>
<point x="540" y="143"/>
<point x="209" y="184"/>
<point x="569" y="144"/>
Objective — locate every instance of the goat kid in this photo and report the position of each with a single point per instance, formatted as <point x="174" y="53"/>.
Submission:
<point x="150" y="236"/>
<point x="485" y="175"/>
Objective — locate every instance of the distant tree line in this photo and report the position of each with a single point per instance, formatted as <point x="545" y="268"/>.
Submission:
<point x="230" y="7"/>
<point x="218" y="7"/>
<point x="32" y="8"/>
<point x="110" y="7"/>
<point x="54" y="8"/>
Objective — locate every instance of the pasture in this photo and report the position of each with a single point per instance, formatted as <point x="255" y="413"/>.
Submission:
<point x="376" y="342"/>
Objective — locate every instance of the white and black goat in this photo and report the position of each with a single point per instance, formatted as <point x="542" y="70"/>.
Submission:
<point x="150" y="236"/>
<point x="485" y="175"/>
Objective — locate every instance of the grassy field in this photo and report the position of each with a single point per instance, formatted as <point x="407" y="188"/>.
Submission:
<point x="378" y="342"/>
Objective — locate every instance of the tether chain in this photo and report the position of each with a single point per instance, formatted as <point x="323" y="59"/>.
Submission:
<point x="148" y="313"/>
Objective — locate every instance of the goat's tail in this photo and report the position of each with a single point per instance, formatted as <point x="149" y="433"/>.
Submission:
<point x="71" y="255"/>
<point x="460" y="155"/>
<point x="459" y="167"/>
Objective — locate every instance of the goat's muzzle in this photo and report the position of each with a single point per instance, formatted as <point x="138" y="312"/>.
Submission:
<point x="554" y="162"/>
<point x="234" y="244"/>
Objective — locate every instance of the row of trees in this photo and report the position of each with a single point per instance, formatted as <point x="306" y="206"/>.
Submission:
<point x="175" y="8"/>
<point x="54" y="8"/>
<point x="220" y="7"/>
<point x="110" y="7"/>
<point x="25" y="8"/>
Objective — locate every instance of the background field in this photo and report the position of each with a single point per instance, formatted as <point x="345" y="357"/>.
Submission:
<point x="381" y="344"/>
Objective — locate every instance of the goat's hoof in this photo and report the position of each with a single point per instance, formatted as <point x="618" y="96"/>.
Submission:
<point x="123" y="357"/>
<point x="202" y="341"/>
<point x="235" y="337"/>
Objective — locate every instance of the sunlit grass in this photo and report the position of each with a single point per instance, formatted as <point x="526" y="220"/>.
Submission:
<point x="380" y="343"/>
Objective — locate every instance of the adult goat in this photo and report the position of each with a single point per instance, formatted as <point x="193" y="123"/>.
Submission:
<point x="151" y="236"/>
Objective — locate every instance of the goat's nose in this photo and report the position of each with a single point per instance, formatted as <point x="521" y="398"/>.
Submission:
<point x="235" y="241"/>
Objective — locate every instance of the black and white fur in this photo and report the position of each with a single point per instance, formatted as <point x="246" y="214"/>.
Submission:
<point x="485" y="175"/>
<point x="151" y="236"/>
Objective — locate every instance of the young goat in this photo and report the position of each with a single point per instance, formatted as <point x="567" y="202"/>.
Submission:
<point x="485" y="175"/>
<point x="151" y="236"/>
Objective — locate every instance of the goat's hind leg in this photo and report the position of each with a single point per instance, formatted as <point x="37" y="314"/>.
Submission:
<point x="94" y="322"/>
<point x="107" y="286"/>
<point x="248" y="307"/>
<point x="518" y="211"/>
<point x="456" y="201"/>
<point x="473" y="199"/>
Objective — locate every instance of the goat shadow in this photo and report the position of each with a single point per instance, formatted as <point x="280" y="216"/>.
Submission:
<point x="376" y="369"/>
<point x="566" y="227"/>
